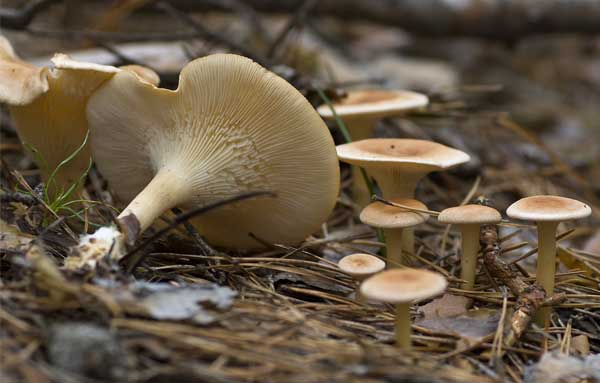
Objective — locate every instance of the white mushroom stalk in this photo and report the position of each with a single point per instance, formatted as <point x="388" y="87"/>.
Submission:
<point x="547" y="211"/>
<point x="48" y="109"/>
<point x="231" y="127"/>
<point x="361" y="110"/>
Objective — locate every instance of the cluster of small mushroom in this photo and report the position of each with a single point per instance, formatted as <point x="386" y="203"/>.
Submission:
<point x="397" y="165"/>
<point x="233" y="127"/>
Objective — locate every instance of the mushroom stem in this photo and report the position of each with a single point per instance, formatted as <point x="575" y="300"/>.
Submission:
<point x="395" y="184"/>
<point x="360" y="129"/>
<point x="398" y="185"/>
<point x="165" y="191"/>
<point x="546" y="264"/>
<point x="394" y="243"/>
<point x="403" y="329"/>
<point x="470" y="248"/>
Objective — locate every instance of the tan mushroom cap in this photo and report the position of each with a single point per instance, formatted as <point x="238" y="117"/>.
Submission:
<point x="394" y="151"/>
<point x="48" y="109"/>
<point x="403" y="285"/>
<point x="379" y="214"/>
<point x="374" y="103"/>
<point x="548" y="208"/>
<point x="360" y="264"/>
<point x="470" y="214"/>
<point x="231" y="127"/>
<point x="20" y="82"/>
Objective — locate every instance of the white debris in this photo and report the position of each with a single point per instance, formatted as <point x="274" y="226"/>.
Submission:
<point x="107" y="242"/>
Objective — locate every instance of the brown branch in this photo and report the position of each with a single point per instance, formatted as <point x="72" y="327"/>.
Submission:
<point x="506" y="20"/>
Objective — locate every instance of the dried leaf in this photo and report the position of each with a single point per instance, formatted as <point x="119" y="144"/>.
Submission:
<point x="447" y="306"/>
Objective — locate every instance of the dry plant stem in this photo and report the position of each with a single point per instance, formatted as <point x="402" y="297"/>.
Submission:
<point x="165" y="191"/>
<point x="529" y="297"/>
<point x="470" y="248"/>
<point x="546" y="265"/>
<point x="403" y="329"/>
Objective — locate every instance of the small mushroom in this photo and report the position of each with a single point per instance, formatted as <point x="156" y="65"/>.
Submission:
<point x="48" y="108"/>
<point x="360" y="111"/>
<point x="398" y="164"/>
<point x="231" y="127"/>
<point x="547" y="211"/>
<point x="394" y="220"/>
<point x="361" y="266"/>
<point x="469" y="219"/>
<point x="401" y="287"/>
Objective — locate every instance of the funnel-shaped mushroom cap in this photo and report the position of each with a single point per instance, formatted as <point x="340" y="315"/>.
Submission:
<point x="20" y="82"/>
<point x="378" y="214"/>
<point x="374" y="103"/>
<point x="403" y="285"/>
<point x="230" y="127"/>
<point x="548" y="208"/>
<point x="48" y="108"/>
<point x="361" y="265"/>
<point x="392" y="152"/>
<point x="470" y="214"/>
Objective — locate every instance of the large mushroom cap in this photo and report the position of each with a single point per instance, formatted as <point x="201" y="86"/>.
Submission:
<point x="48" y="108"/>
<point x="378" y="214"/>
<point x="359" y="265"/>
<point x="230" y="127"/>
<point x="548" y="208"/>
<point x="403" y="285"/>
<point x="374" y="103"/>
<point x="420" y="154"/>
<point x="20" y="82"/>
<point x="470" y="214"/>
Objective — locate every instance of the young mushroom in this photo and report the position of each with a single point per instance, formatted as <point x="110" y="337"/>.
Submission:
<point x="394" y="220"/>
<point x="48" y="109"/>
<point x="361" y="266"/>
<point x="230" y="127"/>
<point x="361" y="110"/>
<point x="469" y="219"/>
<point x="547" y="211"/>
<point x="401" y="287"/>
<point x="398" y="164"/>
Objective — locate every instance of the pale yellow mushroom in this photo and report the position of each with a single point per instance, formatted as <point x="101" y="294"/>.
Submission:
<point x="401" y="287"/>
<point x="398" y="164"/>
<point x="547" y="212"/>
<point x="394" y="220"/>
<point x="361" y="266"/>
<point x="469" y="219"/>
<point x="361" y="110"/>
<point x="48" y="109"/>
<point x="230" y="127"/>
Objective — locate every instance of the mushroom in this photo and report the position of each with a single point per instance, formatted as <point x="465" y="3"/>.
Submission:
<point x="397" y="164"/>
<point x="361" y="266"/>
<point x="48" y="109"/>
<point x="361" y="110"/>
<point x="469" y="219"/>
<point x="547" y="211"/>
<point x="230" y="127"/>
<point x="401" y="287"/>
<point x="394" y="220"/>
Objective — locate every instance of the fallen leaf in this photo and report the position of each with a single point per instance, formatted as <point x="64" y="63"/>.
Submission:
<point x="472" y="326"/>
<point x="447" y="306"/>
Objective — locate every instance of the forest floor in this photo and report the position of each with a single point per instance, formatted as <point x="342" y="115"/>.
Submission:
<point x="527" y="113"/>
